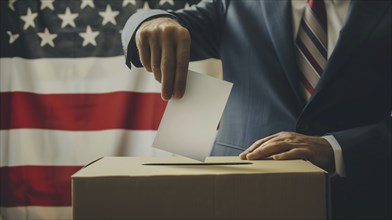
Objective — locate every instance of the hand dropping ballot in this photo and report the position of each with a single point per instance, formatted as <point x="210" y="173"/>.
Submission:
<point x="188" y="126"/>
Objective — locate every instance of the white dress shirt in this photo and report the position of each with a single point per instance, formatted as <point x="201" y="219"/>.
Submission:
<point x="336" y="16"/>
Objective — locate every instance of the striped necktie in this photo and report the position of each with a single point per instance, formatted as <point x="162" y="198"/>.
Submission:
<point x="311" y="45"/>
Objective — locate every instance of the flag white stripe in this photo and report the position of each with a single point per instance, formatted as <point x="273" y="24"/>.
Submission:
<point x="67" y="75"/>
<point x="36" y="213"/>
<point x="83" y="75"/>
<point x="62" y="148"/>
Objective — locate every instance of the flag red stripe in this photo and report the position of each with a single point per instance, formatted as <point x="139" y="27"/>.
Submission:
<point x="116" y="110"/>
<point x="36" y="185"/>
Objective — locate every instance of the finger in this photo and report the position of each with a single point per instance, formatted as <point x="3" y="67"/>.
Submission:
<point x="256" y="145"/>
<point x="144" y="51"/>
<point x="155" y="51"/>
<point x="182" y="62"/>
<point x="281" y="137"/>
<point x="167" y="66"/>
<point x="295" y="153"/>
<point x="269" y="148"/>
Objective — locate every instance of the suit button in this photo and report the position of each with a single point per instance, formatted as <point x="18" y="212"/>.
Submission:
<point x="303" y="127"/>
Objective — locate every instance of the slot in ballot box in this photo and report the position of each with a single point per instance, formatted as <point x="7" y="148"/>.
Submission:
<point x="179" y="188"/>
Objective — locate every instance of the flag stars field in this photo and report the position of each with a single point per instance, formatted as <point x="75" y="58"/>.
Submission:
<point x="89" y="36"/>
<point x="29" y="19"/>
<point x="109" y="15"/>
<point x="145" y="7"/>
<point x="13" y="37"/>
<point x="126" y="2"/>
<point x="162" y="2"/>
<point x="68" y="18"/>
<point x="87" y="3"/>
<point x="71" y="13"/>
<point x="11" y="4"/>
<point x="47" y="38"/>
<point x="47" y="4"/>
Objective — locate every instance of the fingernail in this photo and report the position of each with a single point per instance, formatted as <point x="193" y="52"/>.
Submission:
<point x="177" y="95"/>
<point x="165" y="97"/>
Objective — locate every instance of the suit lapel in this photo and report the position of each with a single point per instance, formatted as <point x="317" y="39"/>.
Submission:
<point x="362" y="17"/>
<point x="278" y="18"/>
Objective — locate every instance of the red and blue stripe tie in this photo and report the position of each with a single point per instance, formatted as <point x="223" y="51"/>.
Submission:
<point x="312" y="45"/>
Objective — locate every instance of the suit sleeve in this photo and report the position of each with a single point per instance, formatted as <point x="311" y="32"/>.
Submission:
<point x="366" y="149"/>
<point x="367" y="159"/>
<point x="202" y="20"/>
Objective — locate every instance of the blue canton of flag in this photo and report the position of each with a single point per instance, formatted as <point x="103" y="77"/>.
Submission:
<point x="69" y="28"/>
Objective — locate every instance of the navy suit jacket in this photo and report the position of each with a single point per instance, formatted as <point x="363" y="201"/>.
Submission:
<point x="352" y="101"/>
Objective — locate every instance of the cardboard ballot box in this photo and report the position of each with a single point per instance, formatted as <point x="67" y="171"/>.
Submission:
<point x="179" y="188"/>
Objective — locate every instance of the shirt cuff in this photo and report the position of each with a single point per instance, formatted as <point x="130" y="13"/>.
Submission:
<point x="337" y="151"/>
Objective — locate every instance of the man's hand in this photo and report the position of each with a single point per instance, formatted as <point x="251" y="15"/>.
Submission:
<point x="164" y="47"/>
<point x="290" y="145"/>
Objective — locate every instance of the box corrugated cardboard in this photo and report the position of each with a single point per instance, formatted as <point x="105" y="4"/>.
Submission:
<point x="178" y="188"/>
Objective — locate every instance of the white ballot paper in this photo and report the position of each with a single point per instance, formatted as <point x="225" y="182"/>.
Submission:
<point x="189" y="125"/>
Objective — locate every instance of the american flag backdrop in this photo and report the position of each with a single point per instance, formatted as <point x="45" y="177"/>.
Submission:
<point x="67" y="98"/>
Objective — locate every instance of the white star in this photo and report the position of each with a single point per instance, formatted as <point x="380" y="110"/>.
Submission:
<point x="86" y="3"/>
<point x="29" y="19"/>
<point x="13" y="37"/>
<point x="47" y="4"/>
<point x="89" y="36"/>
<point x="11" y="4"/>
<point x="47" y="38"/>
<point x="145" y="7"/>
<point x="68" y="18"/>
<point x="126" y="2"/>
<point x="162" y="2"/>
<point x="109" y="15"/>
